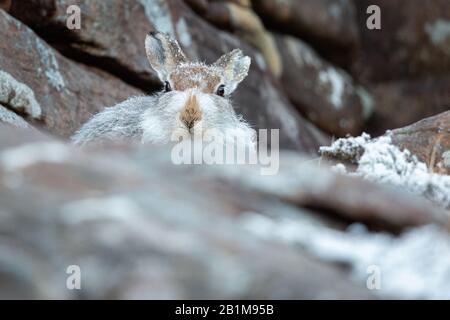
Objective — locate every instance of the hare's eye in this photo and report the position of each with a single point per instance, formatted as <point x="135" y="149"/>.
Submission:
<point x="167" y="87"/>
<point x="221" y="90"/>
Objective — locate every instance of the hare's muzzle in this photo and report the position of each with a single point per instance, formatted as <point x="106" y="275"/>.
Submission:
<point x="191" y="112"/>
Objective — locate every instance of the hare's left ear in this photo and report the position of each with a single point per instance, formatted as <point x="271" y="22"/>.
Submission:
<point x="235" y="66"/>
<point x="163" y="53"/>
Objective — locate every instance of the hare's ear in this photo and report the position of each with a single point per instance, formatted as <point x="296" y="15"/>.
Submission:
<point x="235" y="66"/>
<point x="164" y="53"/>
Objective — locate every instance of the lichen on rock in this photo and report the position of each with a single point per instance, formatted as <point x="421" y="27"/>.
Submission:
<point x="11" y="118"/>
<point x="18" y="96"/>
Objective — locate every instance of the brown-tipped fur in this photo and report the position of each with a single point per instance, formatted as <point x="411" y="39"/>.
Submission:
<point x="191" y="112"/>
<point x="206" y="79"/>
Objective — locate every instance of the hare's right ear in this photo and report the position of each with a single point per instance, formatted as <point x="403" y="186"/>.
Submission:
<point x="164" y="53"/>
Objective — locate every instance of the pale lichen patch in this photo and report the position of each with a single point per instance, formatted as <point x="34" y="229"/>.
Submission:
<point x="9" y="117"/>
<point x="302" y="54"/>
<point x="336" y="83"/>
<point x="50" y="65"/>
<point x="438" y="31"/>
<point x="18" y="97"/>
<point x="446" y="159"/>
<point x="158" y="14"/>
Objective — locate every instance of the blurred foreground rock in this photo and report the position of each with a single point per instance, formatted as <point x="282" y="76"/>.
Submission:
<point x="140" y="227"/>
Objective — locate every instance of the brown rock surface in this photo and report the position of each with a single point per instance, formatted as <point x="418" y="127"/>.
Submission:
<point x="413" y="41"/>
<point x="401" y="103"/>
<point x="326" y="20"/>
<point x="109" y="38"/>
<point x="325" y="94"/>
<point x="429" y="140"/>
<point x="64" y="94"/>
<point x="330" y="25"/>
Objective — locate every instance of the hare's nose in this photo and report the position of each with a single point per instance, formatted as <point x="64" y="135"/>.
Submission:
<point x="191" y="112"/>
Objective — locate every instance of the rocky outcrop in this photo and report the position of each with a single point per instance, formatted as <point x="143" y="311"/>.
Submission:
<point x="324" y="21"/>
<point x="109" y="38"/>
<point x="48" y="89"/>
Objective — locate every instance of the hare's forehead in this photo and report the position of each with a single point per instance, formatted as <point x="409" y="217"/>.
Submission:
<point x="205" y="78"/>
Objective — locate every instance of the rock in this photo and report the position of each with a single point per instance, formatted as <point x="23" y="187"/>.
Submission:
<point x="414" y="40"/>
<point x="47" y="88"/>
<point x="330" y="25"/>
<point x="429" y="140"/>
<point x="244" y="22"/>
<point x="108" y="37"/>
<point x="5" y="5"/>
<point x="325" y="94"/>
<point x="130" y="243"/>
<point x="401" y="103"/>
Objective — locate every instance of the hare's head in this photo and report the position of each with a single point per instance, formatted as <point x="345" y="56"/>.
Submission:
<point x="195" y="95"/>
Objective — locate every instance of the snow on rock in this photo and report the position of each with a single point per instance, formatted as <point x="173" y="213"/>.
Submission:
<point x="381" y="161"/>
<point x="349" y="149"/>
<point x="414" y="265"/>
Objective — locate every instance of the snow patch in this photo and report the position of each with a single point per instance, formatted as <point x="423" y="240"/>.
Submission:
<point x="349" y="149"/>
<point x="18" y="96"/>
<point x="380" y="161"/>
<point x="414" y="265"/>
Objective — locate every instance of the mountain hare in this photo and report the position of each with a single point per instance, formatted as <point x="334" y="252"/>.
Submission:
<point x="196" y="98"/>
